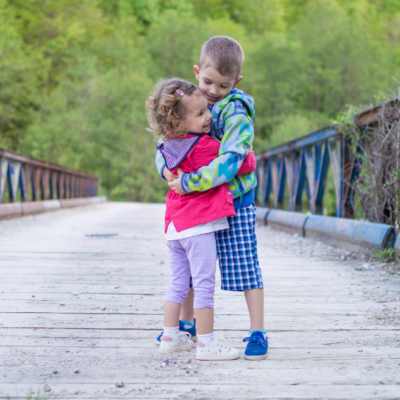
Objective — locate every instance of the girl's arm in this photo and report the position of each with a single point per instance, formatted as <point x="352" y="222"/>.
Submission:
<point x="160" y="162"/>
<point x="164" y="172"/>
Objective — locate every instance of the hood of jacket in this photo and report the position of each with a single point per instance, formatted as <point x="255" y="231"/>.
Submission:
<point x="243" y="103"/>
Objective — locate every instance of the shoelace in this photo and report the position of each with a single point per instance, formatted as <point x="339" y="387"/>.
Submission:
<point x="181" y="326"/>
<point x="187" y="334"/>
<point x="256" y="339"/>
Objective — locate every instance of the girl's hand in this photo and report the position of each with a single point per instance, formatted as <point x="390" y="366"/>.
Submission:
<point x="168" y="175"/>
<point x="176" y="184"/>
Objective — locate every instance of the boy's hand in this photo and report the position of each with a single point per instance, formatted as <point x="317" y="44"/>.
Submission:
<point x="168" y="175"/>
<point x="176" y="184"/>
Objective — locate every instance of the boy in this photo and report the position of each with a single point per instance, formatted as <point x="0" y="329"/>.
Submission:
<point x="218" y="74"/>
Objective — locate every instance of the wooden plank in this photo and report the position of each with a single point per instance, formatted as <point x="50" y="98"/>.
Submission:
<point x="246" y="390"/>
<point x="106" y="320"/>
<point x="315" y="374"/>
<point x="303" y="339"/>
<point x="153" y="305"/>
<point x="329" y="336"/>
<point x="136" y="350"/>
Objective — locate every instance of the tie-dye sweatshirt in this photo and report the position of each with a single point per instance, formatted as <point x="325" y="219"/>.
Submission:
<point x="233" y="126"/>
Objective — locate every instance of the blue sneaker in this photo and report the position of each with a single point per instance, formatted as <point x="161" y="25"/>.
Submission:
<point x="257" y="347"/>
<point x="182" y="328"/>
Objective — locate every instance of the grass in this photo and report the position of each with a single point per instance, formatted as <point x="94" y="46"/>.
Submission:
<point x="385" y="255"/>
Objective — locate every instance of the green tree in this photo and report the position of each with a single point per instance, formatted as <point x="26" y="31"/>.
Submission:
<point x="17" y="81"/>
<point x="75" y="74"/>
<point x="340" y="61"/>
<point x="175" y="42"/>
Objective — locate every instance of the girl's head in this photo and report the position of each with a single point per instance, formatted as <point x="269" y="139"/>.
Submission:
<point x="177" y="108"/>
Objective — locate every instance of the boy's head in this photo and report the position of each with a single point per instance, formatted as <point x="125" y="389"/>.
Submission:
<point x="219" y="67"/>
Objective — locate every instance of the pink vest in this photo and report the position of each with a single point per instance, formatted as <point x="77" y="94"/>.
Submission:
<point x="198" y="208"/>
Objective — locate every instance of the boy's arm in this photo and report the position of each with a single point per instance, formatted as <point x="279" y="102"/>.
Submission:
<point x="235" y="145"/>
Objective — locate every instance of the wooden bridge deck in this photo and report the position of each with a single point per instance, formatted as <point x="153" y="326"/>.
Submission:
<point x="81" y="313"/>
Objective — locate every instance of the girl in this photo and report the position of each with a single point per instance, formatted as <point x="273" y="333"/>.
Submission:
<point x="178" y="115"/>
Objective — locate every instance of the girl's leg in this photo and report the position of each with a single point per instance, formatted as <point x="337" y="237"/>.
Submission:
<point x="201" y="251"/>
<point x="171" y="314"/>
<point x="202" y="254"/>
<point x="173" y="340"/>
<point x="187" y="311"/>
<point x="179" y="278"/>
<point x="205" y="320"/>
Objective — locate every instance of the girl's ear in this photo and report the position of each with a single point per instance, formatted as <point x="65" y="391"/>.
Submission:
<point x="238" y="80"/>
<point x="196" y="70"/>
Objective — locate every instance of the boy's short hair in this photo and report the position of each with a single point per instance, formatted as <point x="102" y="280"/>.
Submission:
<point x="223" y="53"/>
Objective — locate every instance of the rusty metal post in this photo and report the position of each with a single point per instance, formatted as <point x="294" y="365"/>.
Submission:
<point x="45" y="183"/>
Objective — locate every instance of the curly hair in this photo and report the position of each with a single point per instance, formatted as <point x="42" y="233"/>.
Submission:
<point x="166" y="108"/>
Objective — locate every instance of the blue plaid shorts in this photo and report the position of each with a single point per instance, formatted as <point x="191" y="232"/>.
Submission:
<point x="237" y="252"/>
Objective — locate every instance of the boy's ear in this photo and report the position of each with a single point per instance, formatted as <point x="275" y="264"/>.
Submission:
<point x="238" y="80"/>
<point x="196" y="70"/>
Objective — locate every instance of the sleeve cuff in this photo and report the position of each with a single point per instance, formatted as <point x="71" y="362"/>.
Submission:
<point x="184" y="187"/>
<point x="161" y="172"/>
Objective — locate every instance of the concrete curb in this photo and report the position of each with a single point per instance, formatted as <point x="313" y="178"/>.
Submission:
<point x="397" y="247"/>
<point x="36" y="207"/>
<point x="352" y="235"/>
<point x="349" y="234"/>
<point x="288" y="221"/>
<point x="82" y="201"/>
<point x="262" y="214"/>
<point x="12" y="210"/>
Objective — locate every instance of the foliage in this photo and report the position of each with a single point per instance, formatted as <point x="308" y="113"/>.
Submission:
<point x="75" y="74"/>
<point x="376" y="144"/>
<point x="385" y="254"/>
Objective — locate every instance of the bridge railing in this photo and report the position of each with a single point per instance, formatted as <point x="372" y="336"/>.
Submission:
<point x="29" y="179"/>
<point x="302" y="165"/>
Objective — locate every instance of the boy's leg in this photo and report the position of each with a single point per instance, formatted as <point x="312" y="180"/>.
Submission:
<point x="255" y="304"/>
<point x="237" y="255"/>
<point x="240" y="271"/>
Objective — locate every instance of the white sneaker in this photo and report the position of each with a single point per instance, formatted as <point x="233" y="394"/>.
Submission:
<point x="169" y="345"/>
<point x="220" y="350"/>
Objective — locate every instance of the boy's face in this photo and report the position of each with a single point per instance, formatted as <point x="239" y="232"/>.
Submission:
<point x="214" y="85"/>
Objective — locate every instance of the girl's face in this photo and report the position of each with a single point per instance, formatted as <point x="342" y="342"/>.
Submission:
<point x="198" y="116"/>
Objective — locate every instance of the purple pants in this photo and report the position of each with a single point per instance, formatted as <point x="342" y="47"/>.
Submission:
<point x="197" y="257"/>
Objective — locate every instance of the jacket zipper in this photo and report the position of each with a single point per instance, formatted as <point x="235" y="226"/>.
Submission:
<point x="241" y="188"/>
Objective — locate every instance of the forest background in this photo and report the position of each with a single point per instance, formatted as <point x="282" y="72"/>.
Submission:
<point x="75" y="74"/>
